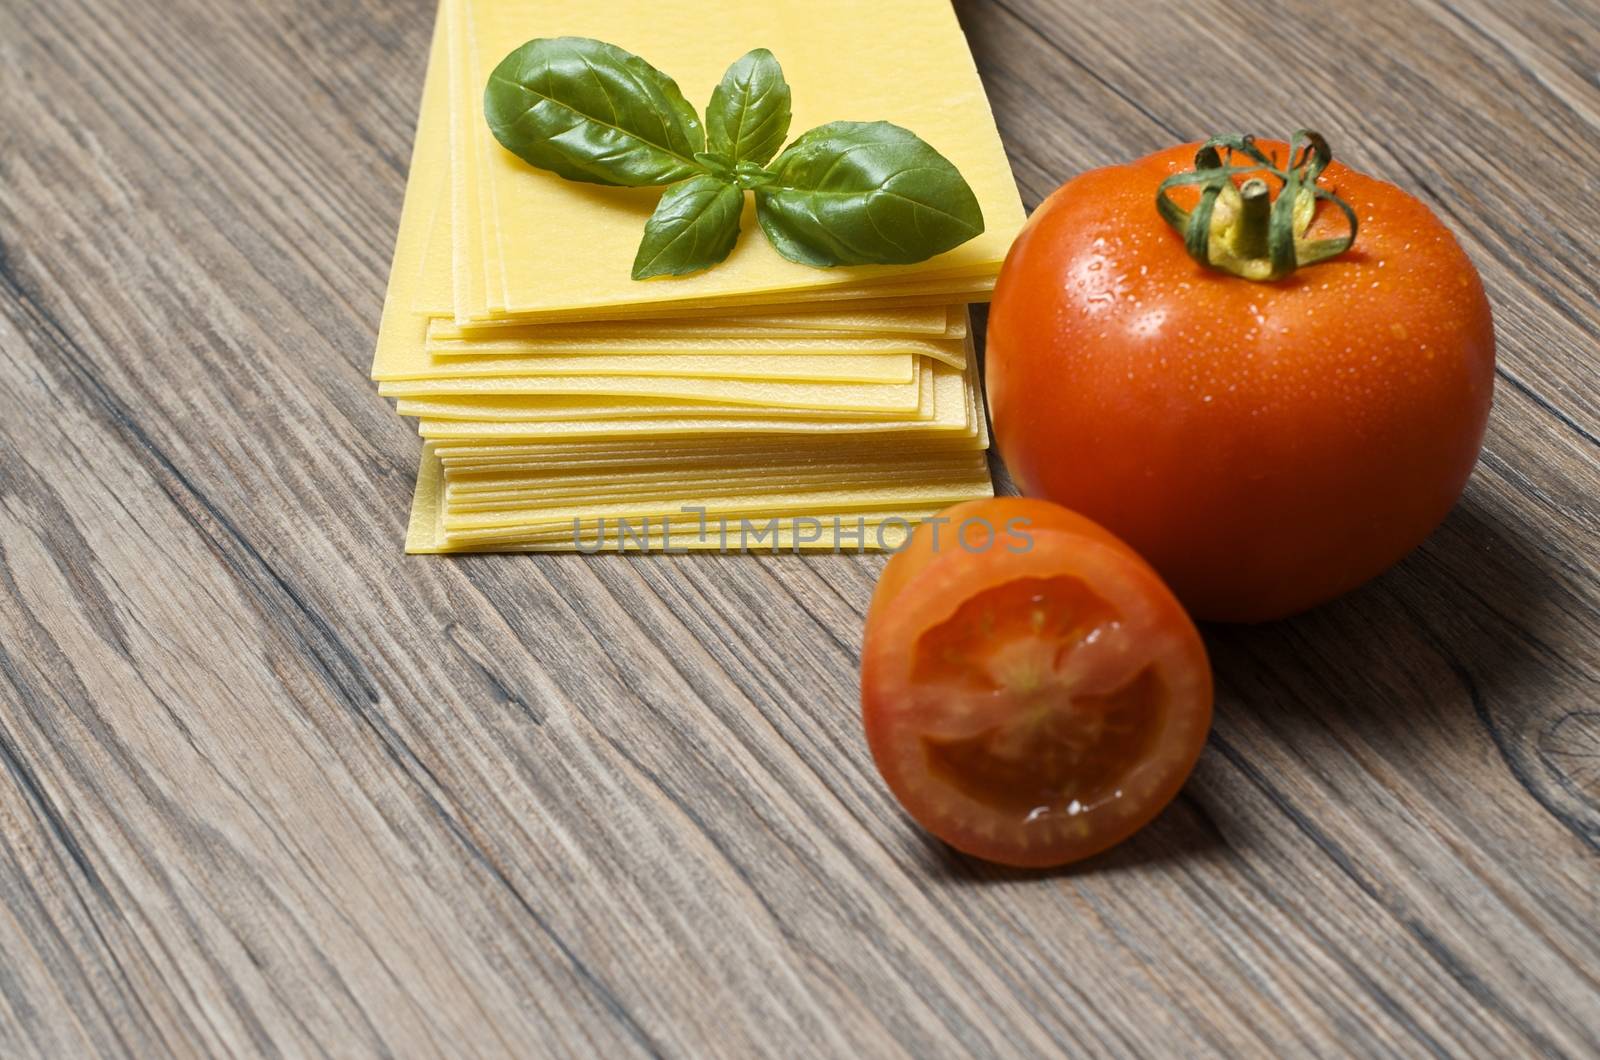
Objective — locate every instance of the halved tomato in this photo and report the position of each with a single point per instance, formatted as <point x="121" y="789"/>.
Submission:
<point x="1032" y="692"/>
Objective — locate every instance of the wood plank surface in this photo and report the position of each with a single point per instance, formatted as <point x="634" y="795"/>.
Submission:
<point x="268" y="787"/>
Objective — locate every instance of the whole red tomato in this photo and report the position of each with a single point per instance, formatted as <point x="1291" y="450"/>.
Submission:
<point x="1264" y="445"/>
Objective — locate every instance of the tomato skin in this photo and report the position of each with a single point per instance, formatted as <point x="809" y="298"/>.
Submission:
<point x="999" y="513"/>
<point x="923" y="586"/>
<point x="1266" y="446"/>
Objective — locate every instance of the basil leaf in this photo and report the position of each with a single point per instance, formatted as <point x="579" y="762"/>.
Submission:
<point x="854" y="193"/>
<point x="694" y="227"/>
<point x="719" y="166"/>
<point x="750" y="175"/>
<point x="748" y="119"/>
<point x="591" y="112"/>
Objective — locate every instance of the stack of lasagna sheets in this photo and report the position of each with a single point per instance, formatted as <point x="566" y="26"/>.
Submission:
<point x="759" y="404"/>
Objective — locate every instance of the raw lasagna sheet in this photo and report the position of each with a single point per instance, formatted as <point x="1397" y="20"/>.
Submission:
<point x="934" y="321"/>
<point x="519" y="342"/>
<point x="531" y="490"/>
<point x="890" y="368"/>
<point x="505" y="393"/>
<point x="588" y="234"/>
<point x="467" y="483"/>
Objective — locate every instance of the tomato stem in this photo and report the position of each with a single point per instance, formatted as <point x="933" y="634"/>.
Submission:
<point x="1255" y="218"/>
<point x="1241" y="229"/>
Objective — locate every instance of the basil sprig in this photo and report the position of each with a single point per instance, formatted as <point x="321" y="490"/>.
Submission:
<point x="845" y="193"/>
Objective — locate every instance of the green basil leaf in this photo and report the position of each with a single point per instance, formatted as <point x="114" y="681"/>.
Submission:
<point x="719" y="166"/>
<point x="854" y="193"/>
<point x="694" y="227"/>
<point x="591" y="112"/>
<point x="748" y="119"/>
<point x="750" y="175"/>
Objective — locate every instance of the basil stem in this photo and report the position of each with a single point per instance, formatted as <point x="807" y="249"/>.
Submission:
<point x="589" y="111"/>
<point x="748" y="118"/>
<point x="853" y="193"/>
<point x="695" y="226"/>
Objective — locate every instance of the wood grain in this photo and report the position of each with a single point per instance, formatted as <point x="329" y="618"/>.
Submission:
<point x="268" y="787"/>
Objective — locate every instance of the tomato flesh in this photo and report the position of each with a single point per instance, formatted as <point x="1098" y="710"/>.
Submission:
<point x="1006" y="718"/>
<point x="1032" y="707"/>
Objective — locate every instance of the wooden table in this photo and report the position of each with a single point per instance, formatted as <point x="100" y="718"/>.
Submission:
<point x="267" y="786"/>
